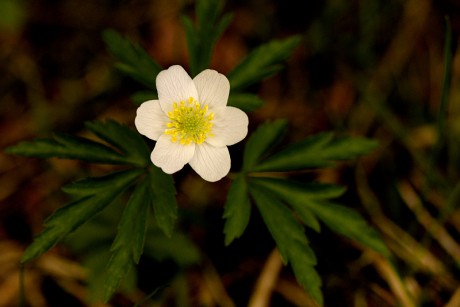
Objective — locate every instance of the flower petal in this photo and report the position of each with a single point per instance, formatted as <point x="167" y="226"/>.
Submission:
<point x="230" y="128"/>
<point x="169" y="156"/>
<point x="211" y="163"/>
<point x="174" y="85"/>
<point x="150" y="119"/>
<point x="213" y="89"/>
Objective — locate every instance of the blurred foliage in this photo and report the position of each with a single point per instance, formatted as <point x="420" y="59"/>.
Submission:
<point x="13" y="15"/>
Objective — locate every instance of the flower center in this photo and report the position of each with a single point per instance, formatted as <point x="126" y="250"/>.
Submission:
<point x="189" y="122"/>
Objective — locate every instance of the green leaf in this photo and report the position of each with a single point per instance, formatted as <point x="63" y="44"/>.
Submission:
<point x="305" y="273"/>
<point x="308" y="218"/>
<point x="129" y="142"/>
<point x="132" y="147"/>
<point x="245" y="102"/>
<point x="120" y="264"/>
<point x="317" y="151"/>
<point x="68" y="147"/>
<point x="341" y="219"/>
<point x="96" y="185"/>
<point x="128" y="245"/>
<point x="68" y="218"/>
<point x="163" y="195"/>
<point x="261" y="141"/>
<point x="207" y="12"/>
<point x="291" y="240"/>
<point x="312" y="191"/>
<point x="202" y="37"/>
<point x="237" y="209"/>
<point x="133" y="223"/>
<point x="262" y="62"/>
<point x="134" y="61"/>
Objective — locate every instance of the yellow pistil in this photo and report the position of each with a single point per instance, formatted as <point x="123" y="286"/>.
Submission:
<point x="189" y="122"/>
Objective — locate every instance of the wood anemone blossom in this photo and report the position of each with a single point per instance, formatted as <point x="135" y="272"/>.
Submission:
<point x="191" y="123"/>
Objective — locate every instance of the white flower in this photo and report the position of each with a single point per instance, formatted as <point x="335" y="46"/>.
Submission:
<point x="191" y="122"/>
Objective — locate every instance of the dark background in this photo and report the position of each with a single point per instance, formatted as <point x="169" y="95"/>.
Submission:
<point x="365" y="67"/>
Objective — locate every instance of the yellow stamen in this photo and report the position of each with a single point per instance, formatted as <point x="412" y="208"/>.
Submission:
<point x="189" y="122"/>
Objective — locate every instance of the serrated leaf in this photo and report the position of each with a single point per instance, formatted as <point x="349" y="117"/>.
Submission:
<point x="68" y="147"/>
<point x="261" y="141"/>
<point x="133" y="223"/>
<point x="237" y="209"/>
<point x="291" y="240"/>
<point x="120" y="264"/>
<point x="97" y="185"/>
<point x="245" y="102"/>
<point x="306" y="275"/>
<point x="129" y="142"/>
<point x="286" y="231"/>
<point x="134" y="60"/>
<point x="68" y="218"/>
<point x="341" y="219"/>
<point x="128" y="245"/>
<point x="308" y="218"/>
<point x="312" y="191"/>
<point x="262" y="62"/>
<point x="162" y="192"/>
<point x="317" y="151"/>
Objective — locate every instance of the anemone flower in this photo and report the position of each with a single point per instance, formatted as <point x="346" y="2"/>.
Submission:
<point x="191" y="122"/>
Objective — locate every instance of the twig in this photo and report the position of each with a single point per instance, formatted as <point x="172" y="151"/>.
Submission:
<point x="429" y="223"/>
<point x="399" y="241"/>
<point x="388" y="272"/>
<point x="454" y="300"/>
<point x="216" y="288"/>
<point x="267" y="281"/>
<point x="294" y="293"/>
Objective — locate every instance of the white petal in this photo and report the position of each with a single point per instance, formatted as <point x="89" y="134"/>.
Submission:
<point x="169" y="156"/>
<point x="211" y="163"/>
<point x="229" y="128"/>
<point x="150" y="119"/>
<point x="213" y="89"/>
<point x="174" y="85"/>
